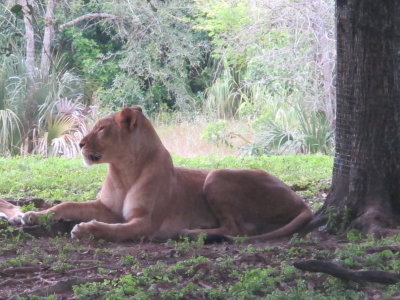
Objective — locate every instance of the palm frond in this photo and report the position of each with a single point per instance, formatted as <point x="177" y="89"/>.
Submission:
<point x="10" y="130"/>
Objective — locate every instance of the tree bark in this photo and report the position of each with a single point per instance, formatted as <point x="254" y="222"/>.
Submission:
<point x="27" y="122"/>
<point x="45" y="60"/>
<point x="29" y="38"/>
<point x="366" y="177"/>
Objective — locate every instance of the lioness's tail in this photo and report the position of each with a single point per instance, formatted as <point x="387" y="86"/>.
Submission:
<point x="293" y="226"/>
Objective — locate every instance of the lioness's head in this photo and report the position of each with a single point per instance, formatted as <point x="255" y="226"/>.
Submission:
<point x="116" y="136"/>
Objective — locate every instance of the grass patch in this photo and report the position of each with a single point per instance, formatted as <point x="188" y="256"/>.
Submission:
<point x="67" y="179"/>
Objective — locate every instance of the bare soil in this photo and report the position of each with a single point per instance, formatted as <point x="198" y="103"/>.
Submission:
<point x="43" y="260"/>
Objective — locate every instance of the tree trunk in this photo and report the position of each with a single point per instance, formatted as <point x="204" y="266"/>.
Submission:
<point x="45" y="60"/>
<point x="27" y="122"/>
<point x="29" y="38"/>
<point x="366" y="177"/>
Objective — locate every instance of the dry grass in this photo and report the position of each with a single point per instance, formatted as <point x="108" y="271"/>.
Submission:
<point x="185" y="139"/>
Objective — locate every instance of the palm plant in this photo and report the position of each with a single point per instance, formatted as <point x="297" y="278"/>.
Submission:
<point x="10" y="131"/>
<point x="47" y="113"/>
<point x="224" y="97"/>
<point x="293" y="129"/>
<point x="11" y="91"/>
<point x="62" y="128"/>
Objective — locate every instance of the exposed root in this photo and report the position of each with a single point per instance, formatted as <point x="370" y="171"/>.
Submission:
<point x="317" y="221"/>
<point x="377" y="222"/>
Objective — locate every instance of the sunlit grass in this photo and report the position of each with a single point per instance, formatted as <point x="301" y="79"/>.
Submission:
<point x="67" y="179"/>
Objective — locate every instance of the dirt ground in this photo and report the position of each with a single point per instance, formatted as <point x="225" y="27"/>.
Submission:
<point x="41" y="261"/>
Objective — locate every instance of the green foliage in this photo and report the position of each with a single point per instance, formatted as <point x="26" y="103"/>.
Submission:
<point x="128" y="260"/>
<point x="95" y="55"/>
<point x="221" y="19"/>
<point x="254" y="282"/>
<point x="162" y="52"/>
<point x="127" y="285"/>
<point x="185" y="244"/>
<point x="28" y="207"/>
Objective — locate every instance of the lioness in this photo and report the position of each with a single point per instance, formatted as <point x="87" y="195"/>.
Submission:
<point x="10" y="212"/>
<point x="145" y="196"/>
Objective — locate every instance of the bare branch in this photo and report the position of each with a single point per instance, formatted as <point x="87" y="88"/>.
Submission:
<point x="87" y="17"/>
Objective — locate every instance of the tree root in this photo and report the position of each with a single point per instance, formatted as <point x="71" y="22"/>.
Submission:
<point x="317" y="221"/>
<point x="337" y="270"/>
<point x="378" y="221"/>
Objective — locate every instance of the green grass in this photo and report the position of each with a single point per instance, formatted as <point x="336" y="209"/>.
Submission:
<point x="67" y="179"/>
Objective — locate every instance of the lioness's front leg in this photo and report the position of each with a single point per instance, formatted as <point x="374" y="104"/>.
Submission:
<point x="134" y="229"/>
<point x="75" y="211"/>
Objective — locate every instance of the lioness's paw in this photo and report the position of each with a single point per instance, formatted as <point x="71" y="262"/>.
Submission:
<point x="30" y="218"/>
<point x="78" y="231"/>
<point x="17" y="220"/>
<point x="83" y="229"/>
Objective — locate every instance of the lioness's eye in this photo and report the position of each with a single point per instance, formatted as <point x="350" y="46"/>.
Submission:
<point x="101" y="128"/>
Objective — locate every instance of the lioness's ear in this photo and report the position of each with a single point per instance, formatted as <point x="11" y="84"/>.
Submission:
<point x="137" y="107"/>
<point x="127" y="118"/>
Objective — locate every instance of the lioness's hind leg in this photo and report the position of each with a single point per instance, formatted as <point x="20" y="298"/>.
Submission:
<point x="223" y="204"/>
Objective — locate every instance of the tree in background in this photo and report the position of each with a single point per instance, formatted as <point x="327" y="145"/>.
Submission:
<point x="366" y="177"/>
<point x="163" y="60"/>
<point x="36" y="91"/>
<point x="268" y="62"/>
<point x="275" y="65"/>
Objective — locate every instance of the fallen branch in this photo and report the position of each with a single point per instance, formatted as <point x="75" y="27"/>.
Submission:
<point x="14" y="282"/>
<point x="393" y="248"/>
<point x="337" y="270"/>
<point x="61" y="286"/>
<point x="14" y="270"/>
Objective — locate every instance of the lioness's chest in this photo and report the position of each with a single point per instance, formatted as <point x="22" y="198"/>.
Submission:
<point x="113" y="199"/>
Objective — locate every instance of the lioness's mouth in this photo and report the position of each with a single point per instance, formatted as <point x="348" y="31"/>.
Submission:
<point x="95" y="157"/>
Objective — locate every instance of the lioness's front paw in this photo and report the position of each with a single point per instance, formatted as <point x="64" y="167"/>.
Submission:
<point x="17" y="220"/>
<point x="83" y="229"/>
<point x="30" y="218"/>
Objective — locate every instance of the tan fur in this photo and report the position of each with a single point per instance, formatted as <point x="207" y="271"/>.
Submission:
<point x="144" y="195"/>
<point x="10" y="212"/>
